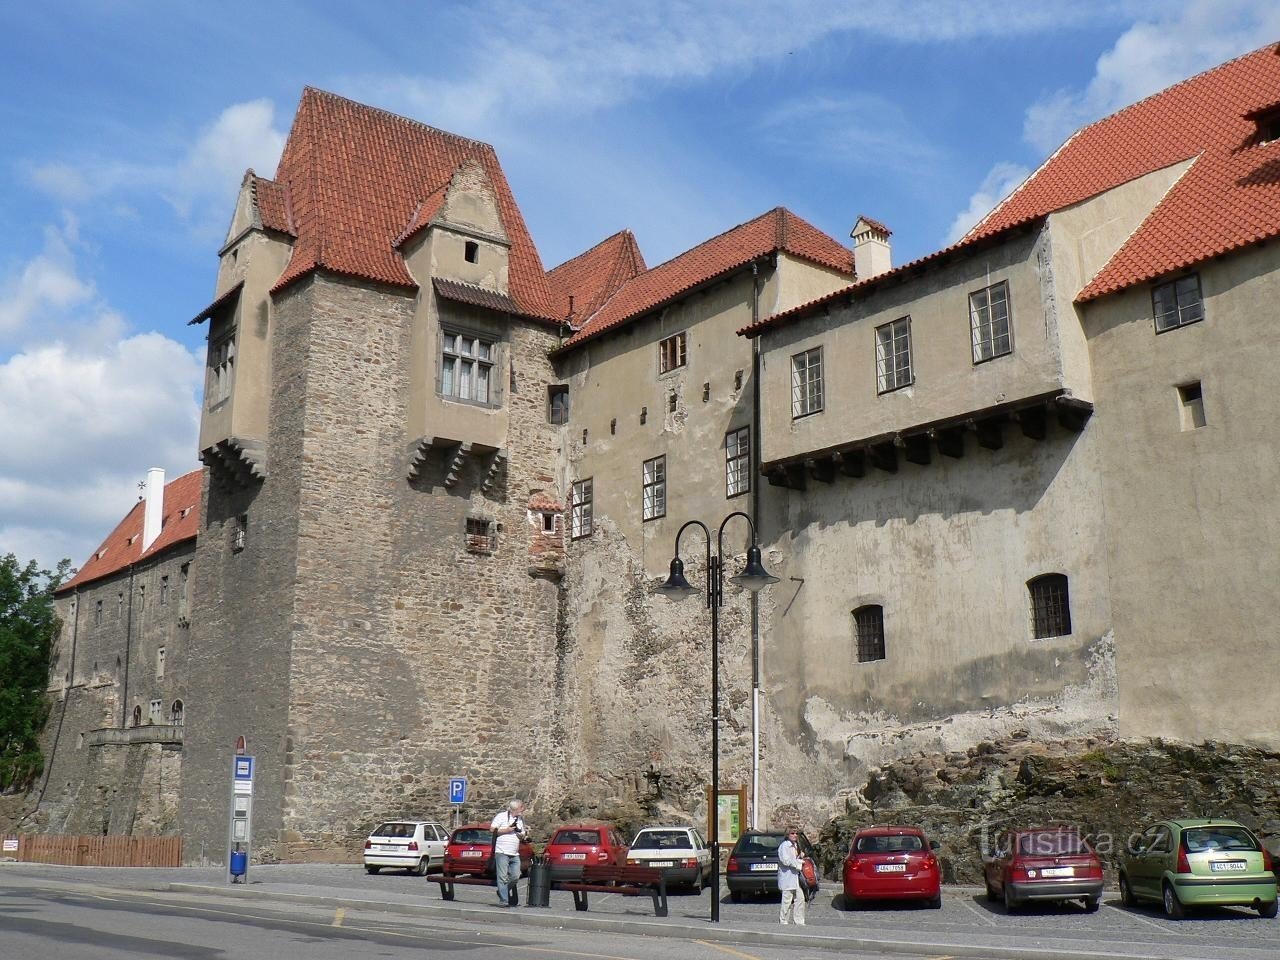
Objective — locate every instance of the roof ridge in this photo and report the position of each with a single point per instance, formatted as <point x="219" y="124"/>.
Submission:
<point x="718" y="236"/>
<point x="329" y="94"/>
<point x="592" y="249"/>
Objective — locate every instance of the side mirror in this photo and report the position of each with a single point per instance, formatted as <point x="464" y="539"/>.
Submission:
<point x="934" y="845"/>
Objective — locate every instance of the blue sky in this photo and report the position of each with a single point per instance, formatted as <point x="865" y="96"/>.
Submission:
<point x="127" y="126"/>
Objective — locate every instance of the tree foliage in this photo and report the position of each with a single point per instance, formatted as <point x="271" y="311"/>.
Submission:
<point x="28" y="626"/>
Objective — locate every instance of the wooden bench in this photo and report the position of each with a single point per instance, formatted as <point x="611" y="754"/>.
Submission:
<point x="629" y="881"/>
<point x="447" y="882"/>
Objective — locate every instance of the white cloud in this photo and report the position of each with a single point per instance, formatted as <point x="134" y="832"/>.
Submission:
<point x="1154" y="53"/>
<point x="46" y="283"/>
<point x="1001" y="181"/>
<point x="856" y="129"/>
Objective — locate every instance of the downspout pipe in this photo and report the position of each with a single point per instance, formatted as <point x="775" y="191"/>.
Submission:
<point x="128" y="643"/>
<point x="754" y="466"/>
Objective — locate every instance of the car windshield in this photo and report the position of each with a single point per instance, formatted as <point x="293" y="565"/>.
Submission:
<point x="662" y="840"/>
<point x="759" y="845"/>
<point x="1201" y="839"/>
<point x="888" y="844"/>
<point x="473" y="836"/>
<point x="1052" y="845"/>
<point x="393" y="830"/>
<point x="587" y="837"/>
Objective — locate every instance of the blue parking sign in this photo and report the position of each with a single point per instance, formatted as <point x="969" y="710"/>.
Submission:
<point x="458" y="790"/>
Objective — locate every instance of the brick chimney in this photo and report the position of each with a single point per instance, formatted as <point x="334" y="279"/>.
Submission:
<point x="872" y="255"/>
<point x="153" y="511"/>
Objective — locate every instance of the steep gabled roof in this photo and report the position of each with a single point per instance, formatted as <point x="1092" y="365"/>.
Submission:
<point x="1228" y="198"/>
<point x="592" y="277"/>
<point x="777" y="231"/>
<point x="180" y="522"/>
<point x="354" y="177"/>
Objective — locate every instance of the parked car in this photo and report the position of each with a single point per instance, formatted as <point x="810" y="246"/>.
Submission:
<point x="470" y="851"/>
<point x="679" y="849"/>
<point x="413" y="845"/>
<point x="572" y="846"/>
<point x="1043" y="864"/>
<point x="1198" y="863"/>
<point x="753" y="862"/>
<point x="892" y="863"/>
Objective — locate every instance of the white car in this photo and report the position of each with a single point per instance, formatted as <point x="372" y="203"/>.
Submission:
<point x="413" y="845"/>
<point x="681" y="851"/>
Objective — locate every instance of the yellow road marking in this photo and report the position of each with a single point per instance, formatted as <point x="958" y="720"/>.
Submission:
<point x="736" y="953"/>
<point x="337" y="917"/>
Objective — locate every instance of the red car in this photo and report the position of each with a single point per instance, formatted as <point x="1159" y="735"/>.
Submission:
<point x="1043" y="863"/>
<point x="470" y="851"/>
<point x="892" y="863"/>
<point x="575" y="845"/>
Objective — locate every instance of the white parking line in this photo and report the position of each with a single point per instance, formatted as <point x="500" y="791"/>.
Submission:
<point x="1130" y="915"/>
<point x="979" y="914"/>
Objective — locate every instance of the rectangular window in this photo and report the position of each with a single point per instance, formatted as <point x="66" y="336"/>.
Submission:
<point x="654" y="487"/>
<point x="164" y="590"/>
<point x="154" y="712"/>
<point x="160" y="663"/>
<point x="1191" y="401"/>
<point x="806" y="382"/>
<point x="1050" y="606"/>
<point x="989" y="322"/>
<point x="1178" y="303"/>
<point x="737" y="461"/>
<point x="220" y="376"/>
<point x="868" y="625"/>
<point x="466" y="367"/>
<point x="580" y="510"/>
<point x="893" y="355"/>
<point x="97" y="613"/>
<point x="480" y="537"/>
<point x="185" y="571"/>
<point x="558" y="403"/>
<point x="671" y="352"/>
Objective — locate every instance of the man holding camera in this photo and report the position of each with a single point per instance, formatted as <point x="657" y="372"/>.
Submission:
<point x="508" y="833"/>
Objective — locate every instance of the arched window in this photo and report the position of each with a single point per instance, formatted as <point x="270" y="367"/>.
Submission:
<point x="175" y="712"/>
<point x="868" y="627"/>
<point x="137" y="716"/>
<point x="1050" y="606"/>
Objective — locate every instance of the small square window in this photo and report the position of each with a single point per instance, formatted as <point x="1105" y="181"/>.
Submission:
<point x="654" y="488"/>
<point x="671" y="353"/>
<point x="1178" y="303"/>
<point x="479" y="535"/>
<point x="548" y="523"/>
<point x="471" y="251"/>
<point x="1191" y="402"/>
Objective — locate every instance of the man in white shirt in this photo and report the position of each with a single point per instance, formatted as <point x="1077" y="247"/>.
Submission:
<point x="790" y="864"/>
<point x="508" y="831"/>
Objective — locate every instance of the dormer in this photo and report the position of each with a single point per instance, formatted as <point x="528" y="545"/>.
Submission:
<point x="1266" y="122"/>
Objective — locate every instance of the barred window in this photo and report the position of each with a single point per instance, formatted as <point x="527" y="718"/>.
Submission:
<point x="654" y="488"/>
<point x="466" y="367"/>
<point x="806" y="382"/>
<point x="479" y="535"/>
<point x="580" y="509"/>
<point x="737" y="461"/>
<point x="1178" y="303"/>
<point x="1050" y="605"/>
<point x="868" y="626"/>
<point x="893" y="355"/>
<point x="989" y="322"/>
<point x="671" y="352"/>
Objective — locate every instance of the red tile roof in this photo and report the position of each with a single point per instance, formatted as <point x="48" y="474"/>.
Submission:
<point x="354" y="176"/>
<point x="591" y="278"/>
<point x="779" y="230"/>
<point x="273" y="205"/>
<point x="124" y="546"/>
<point x="1228" y="198"/>
<point x="469" y="293"/>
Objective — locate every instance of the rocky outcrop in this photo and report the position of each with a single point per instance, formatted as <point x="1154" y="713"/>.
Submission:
<point x="1108" y="789"/>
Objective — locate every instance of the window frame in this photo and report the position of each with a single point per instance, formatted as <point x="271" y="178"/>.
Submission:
<point x="581" y="516"/>
<point x="220" y="365"/>
<point x="558" y="404"/>
<point x="976" y="325"/>
<point x="803" y="404"/>
<point x="449" y="348"/>
<point x="883" y="370"/>
<point x="1172" y="286"/>
<point x="868" y="648"/>
<point x="653" y="488"/>
<point x="737" y="462"/>
<point x="1049" y="611"/>
<point x="673" y="352"/>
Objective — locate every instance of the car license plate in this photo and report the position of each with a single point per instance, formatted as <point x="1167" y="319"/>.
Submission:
<point x="575" y="856"/>
<point x="473" y="853"/>
<point x="764" y="866"/>
<point x="661" y="863"/>
<point x="1222" y="866"/>
<point x="891" y="868"/>
<point x="1058" y="872"/>
<point x="388" y="846"/>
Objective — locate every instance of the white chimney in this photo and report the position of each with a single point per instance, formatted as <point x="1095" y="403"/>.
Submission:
<point x="153" y="512"/>
<point x="872" y="255"/>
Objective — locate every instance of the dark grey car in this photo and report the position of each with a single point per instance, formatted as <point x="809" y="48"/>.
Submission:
<point x="753" y="863"/>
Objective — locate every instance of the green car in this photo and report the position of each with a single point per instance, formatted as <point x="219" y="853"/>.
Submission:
<point x="1198" y="863"/>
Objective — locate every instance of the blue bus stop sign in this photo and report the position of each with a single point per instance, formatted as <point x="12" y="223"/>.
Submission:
<point x="458" y="790"/>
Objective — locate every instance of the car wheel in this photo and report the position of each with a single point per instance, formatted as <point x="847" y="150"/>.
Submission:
<point x="934" y="903"/>
<point x="372" y="869"/>
<point x="1091" y="904"/>
<point x="735" y="896"/>
<point x="1172" y="905"/>
<point x="848" y="903"/>
<point x="1268" y="910"/>
<point x="1126" y="892"/>
<point x="1010" y="904"/>
<point x="992" y="896"/>
<point x="423" y="865"/>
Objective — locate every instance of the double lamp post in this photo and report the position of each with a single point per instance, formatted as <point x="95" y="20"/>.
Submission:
<point x="754" y="577"/>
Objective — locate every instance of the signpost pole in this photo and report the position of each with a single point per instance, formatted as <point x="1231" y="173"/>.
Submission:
<point x="240" y="822"/>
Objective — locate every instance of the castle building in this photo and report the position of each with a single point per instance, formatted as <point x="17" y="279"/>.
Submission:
<point x="1022" y="486"/>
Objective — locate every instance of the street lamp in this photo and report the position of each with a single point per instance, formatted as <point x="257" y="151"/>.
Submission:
<point x="754" y="577"/>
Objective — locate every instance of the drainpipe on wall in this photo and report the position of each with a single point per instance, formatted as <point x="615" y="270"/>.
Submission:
<point x="128" y="641"/>
<point x="754" y="466"/>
